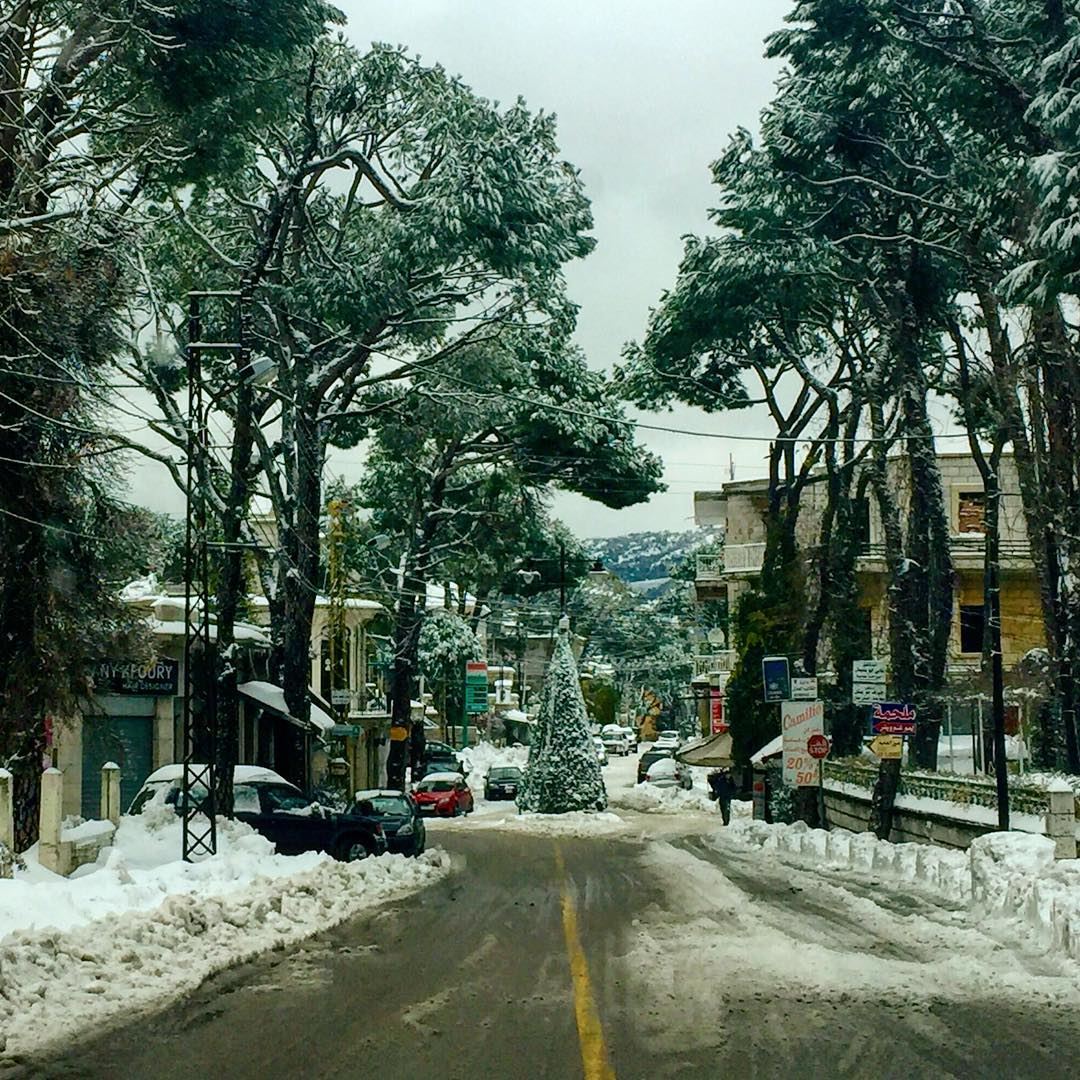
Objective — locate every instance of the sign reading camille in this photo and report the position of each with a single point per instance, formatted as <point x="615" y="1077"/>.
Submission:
<point x="159" y="678"/>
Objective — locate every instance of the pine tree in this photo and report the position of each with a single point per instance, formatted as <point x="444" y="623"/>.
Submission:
<point x="563" y="773"/>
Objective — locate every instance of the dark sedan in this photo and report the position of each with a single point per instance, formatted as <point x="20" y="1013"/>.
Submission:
<point x="439" y="757"/>
<point x="400" y="817"/>
<point x="646" y="759"/>
<point x="503" y="782"/>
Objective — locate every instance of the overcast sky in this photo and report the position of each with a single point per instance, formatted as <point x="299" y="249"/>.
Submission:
<point x="646" y="95"/>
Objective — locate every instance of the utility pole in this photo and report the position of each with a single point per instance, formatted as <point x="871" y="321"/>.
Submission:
<point x="562" y="578"/>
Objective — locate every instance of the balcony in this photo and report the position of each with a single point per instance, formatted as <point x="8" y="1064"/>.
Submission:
<point x="735" y="559"/>
<point x="713" y="663"/>
<point x="966" y="551"/>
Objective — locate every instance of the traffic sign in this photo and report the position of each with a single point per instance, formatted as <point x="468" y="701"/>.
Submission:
<point x="868" y="671"/>
<point x="776" y="677"/>
<point x="804" y="689"/>
<point x="476" y="686"/>
<point x="887" y="747"/>
<point x="892" y="718"/>
<point x="818" y="746"/>
<point x="340" y="697"/>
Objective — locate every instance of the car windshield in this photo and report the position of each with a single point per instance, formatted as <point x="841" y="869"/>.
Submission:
<point x="505" y="774"/>
<point x="436" y="785"/>
<point x="389" y="804"/>
<point x="285" y="800"/>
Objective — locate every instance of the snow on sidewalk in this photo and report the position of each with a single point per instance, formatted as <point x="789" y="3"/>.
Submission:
<point x="141" y="928"/>
<point x="1010" y="875"/>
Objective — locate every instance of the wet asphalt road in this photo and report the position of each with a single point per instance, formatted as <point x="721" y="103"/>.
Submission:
<point x="476" y="978"/>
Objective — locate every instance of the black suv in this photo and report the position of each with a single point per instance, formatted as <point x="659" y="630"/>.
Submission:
<point x="294" y="824"/>
<point x="502" y="782"/>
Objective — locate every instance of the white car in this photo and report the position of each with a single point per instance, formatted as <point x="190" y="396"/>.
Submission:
<point x="601" y="751"/>
<point x="631" y="738"/>
<point x="668" y="773"/>
<point x="667" y="740"/>
<point x="168" y="780"/>
<point x="614" y="739"/>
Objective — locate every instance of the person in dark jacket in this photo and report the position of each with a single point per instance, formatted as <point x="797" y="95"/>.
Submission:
<point x="722" y="789"/>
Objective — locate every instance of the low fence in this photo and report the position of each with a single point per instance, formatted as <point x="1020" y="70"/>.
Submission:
<point x="61" y="850"/>
<point x="951" y="811"/>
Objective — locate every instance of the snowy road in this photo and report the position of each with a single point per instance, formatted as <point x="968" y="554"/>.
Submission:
<point x="660" y="950"/>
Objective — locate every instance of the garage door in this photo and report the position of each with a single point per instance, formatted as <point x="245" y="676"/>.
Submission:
<point x="127" y="740"/>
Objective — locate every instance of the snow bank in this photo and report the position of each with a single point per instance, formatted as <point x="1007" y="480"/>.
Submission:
<point x="139" y="927"/>
<point x="650" y="799"/>
<point x="478" y="760"/>
<point x="1007" y="875"/>
<point x="574" y="823"/>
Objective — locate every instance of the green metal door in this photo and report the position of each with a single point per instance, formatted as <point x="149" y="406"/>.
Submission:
<point x="127" y="740"/>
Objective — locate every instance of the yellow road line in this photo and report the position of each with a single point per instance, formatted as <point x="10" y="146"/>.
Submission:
<point x="594" y="1054"/>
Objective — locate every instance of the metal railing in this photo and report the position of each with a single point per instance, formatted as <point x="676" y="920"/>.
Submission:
<point x="969" y="544"/>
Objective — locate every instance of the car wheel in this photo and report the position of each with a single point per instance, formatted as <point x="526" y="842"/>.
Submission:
<point x="353" y="849"/>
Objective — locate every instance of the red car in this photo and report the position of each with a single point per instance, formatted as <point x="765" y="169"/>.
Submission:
<point x="443" y="793"/>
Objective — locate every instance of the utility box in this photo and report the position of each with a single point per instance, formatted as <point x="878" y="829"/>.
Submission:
<point x="760" y="791"/>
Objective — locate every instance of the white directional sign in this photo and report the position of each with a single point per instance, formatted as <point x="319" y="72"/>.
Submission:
<point x="868" y="693"/>
<point x="868" y="671"/>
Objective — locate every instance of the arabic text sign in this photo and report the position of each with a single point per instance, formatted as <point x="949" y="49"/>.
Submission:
<point x="804" y="689"/>
<point x="868" y="693"/>
<point x="872" y="671"/>
<point x="798" y="721"/>
<point x="892" y="718"/>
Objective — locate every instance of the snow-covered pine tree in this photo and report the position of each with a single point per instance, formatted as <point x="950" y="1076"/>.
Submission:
<point x="563" y="773"/>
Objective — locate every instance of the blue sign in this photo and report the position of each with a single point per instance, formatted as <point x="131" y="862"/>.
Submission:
<point x="892" y="718"/>
<point x="776" y="677"/>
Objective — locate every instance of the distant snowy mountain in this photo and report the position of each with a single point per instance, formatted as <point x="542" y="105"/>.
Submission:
<point x="648" y="556"/>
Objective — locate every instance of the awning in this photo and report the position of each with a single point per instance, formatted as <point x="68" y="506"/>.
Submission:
<point x="272" y="697"/>
<point x="712" y="752"/>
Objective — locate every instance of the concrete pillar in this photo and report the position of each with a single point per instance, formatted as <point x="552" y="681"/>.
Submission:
<point x="7" y="825"/>
<point x="110" y="792"/>
<point x="52" y="812"/>
<point x="1061" y="818"/>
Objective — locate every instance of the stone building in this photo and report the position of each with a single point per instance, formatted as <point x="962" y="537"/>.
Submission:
<point x="740" y="507"/>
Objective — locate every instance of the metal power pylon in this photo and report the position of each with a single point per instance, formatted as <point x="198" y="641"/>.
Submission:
<point x="198" y="808"/>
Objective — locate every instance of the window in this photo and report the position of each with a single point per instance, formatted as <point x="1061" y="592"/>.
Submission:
<point x="861" y="515"/>
<point x="281" y="800"/>
<point x="865" y="632"/>
<point x="971" y="512"/>
<point x="971" y="628"/>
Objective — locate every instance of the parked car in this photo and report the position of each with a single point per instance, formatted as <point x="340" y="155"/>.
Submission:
<point x="669" y="773"/>
<point x="631" y="738"/>
<point x="439" y="757"/>
<point x="502" y="782"/>
<point x="281" y="812"/>
<point x="444" y="793"/>
<point x="667" y="739"/>
<point x="406" y="833"/>
<point x="655" y="753"/>
<point x="614" y="740"/>
<point x="601" y="752"/>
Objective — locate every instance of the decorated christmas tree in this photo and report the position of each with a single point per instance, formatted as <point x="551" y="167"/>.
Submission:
<point x="563" y="772"/>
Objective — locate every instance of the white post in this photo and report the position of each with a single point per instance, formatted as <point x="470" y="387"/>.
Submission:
<point x="7" y="824"/>
<point x="110" y="792"/>
<point x="1061" y="818"/>
<point x="52" y="801"/>
<point x="948" y="720"/>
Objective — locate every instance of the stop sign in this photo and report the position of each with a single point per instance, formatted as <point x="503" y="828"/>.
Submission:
<point x="817" y="746"/>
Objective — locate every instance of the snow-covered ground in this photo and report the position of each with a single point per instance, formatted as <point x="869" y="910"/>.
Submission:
<point x="141" y="927"/>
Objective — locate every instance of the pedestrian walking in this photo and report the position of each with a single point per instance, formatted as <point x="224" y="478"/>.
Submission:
<point x="722" y="789"/>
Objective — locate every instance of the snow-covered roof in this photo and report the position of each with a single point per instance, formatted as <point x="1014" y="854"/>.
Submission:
<point x="770" y="749"/>
<point x="241" y="774"/>
<point x="516" y="716"/>
<point x="273" y="697"/>
<point x="241" y="631"/>
<point x="352" y="603"/>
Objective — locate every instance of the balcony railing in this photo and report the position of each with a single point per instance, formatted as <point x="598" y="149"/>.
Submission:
<point x="966" y="545"/>
<point x="710" y="567"/>
<point x="714" y="662"/>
